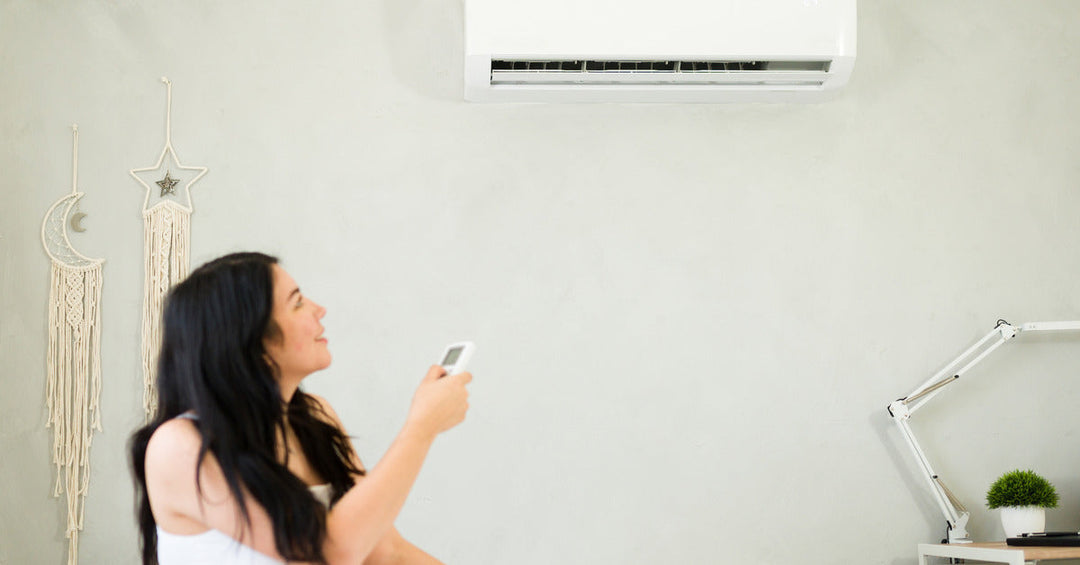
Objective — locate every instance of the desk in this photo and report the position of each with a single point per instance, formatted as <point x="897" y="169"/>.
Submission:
<point x="997" y="552"/>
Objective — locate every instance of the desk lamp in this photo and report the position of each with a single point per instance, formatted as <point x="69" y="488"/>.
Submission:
<point x="901" y="410"/>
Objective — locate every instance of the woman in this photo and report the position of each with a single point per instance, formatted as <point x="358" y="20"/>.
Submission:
<point x="233" y="465"/>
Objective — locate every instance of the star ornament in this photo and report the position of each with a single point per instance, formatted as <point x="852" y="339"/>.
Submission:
<point x="161" y="187"/>
<point x="167" y="184"/>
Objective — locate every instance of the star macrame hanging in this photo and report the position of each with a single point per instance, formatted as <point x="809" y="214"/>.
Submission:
<point x="166" y="226"/>
<point x="73" y="359"/>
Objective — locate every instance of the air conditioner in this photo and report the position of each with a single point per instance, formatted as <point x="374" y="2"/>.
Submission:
<point x="660" y="51"/>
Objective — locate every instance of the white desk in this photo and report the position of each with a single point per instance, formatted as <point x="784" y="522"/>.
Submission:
<point x="997" y="552"/>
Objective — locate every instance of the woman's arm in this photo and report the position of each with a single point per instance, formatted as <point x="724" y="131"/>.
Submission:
<point x="366" y="513"/>
<point x="392" y="549"/>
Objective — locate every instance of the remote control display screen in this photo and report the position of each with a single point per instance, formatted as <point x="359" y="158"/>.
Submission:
<point x="452" y="356"/>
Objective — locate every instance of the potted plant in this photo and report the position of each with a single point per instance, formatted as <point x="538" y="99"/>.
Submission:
<point x="1023" y="497"/>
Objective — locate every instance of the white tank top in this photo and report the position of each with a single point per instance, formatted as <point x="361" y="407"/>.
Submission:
<point x="213" y="547"/>
<point x="208" y="548"/>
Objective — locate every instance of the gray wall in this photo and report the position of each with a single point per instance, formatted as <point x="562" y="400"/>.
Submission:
<point x="690" y="318"/>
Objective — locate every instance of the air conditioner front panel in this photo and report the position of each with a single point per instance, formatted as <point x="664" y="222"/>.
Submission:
<point x="776" y="31"/>
<point x="628" y="27"/>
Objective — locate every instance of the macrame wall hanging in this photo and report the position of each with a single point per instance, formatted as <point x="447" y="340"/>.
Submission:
<point x="73" y="358"/>
<point x="166" y="226"/>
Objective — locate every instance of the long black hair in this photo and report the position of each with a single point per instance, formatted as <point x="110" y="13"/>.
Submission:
<point x="213" y="362"/>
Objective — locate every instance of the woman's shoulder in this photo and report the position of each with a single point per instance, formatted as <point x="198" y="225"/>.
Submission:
<point x="330" y="417"/>
<point x="172" y="446"/>
<point x="322" y="402"/>
<point x="326" y="410"/>
<point x="172" y="462"/>
<point x="174" y="438"/>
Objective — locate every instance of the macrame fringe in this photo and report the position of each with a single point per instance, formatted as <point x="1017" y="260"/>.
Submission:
<point x="73" y="390"/>
<point x="165" y="252"/>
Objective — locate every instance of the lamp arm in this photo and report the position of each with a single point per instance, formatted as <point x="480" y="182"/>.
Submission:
<point x="901" y="410"/>
<point x="1050" y="326"/>
<point x="1002" y="339"/>
<point x="955" y="514"/>
<point x="1003" y="331"/>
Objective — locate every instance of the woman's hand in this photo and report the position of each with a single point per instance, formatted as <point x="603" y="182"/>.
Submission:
<point x="440" y="402"/>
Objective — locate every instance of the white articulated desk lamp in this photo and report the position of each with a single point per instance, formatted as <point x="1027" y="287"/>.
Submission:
<point x="901" y="410"/>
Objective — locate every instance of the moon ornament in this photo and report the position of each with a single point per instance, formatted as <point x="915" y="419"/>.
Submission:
<point x="73" y="359"/>
<point x="54" y="233"/>
<point x="76" y="222"/>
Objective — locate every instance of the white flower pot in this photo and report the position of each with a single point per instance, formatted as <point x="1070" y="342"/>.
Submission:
<point x="1018" y="520"/>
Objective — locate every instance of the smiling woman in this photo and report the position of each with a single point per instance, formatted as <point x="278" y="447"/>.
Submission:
<point x="237" y="452"/>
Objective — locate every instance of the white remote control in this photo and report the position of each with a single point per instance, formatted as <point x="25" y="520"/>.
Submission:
<point x="456" y="357"/>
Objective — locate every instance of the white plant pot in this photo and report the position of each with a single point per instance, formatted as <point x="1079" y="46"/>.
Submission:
<point x="1016" y="520"/>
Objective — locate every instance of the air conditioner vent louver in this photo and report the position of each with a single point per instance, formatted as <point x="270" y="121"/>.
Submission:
<point x="749" y="73"/>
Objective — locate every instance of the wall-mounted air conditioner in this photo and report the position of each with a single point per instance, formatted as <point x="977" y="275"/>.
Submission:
<point x="660" y="51"/>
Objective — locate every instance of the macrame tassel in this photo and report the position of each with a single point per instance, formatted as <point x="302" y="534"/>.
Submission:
<point x="73" y="389"/>
<point x="165" y="251"/>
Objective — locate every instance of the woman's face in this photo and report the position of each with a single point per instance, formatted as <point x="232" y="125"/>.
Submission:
<point x="300" y="349"/>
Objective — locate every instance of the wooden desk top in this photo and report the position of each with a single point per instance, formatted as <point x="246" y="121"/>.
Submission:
<point x="1036" y="552"/>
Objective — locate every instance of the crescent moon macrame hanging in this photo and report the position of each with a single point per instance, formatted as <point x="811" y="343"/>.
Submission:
<point x="73" y="359"/>
<point x="166" y="226"/>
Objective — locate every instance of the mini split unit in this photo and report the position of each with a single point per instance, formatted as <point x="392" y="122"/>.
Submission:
<point x="668" y="51"/>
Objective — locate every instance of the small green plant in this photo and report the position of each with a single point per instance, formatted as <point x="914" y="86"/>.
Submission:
<point x="1021" y="488"/>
